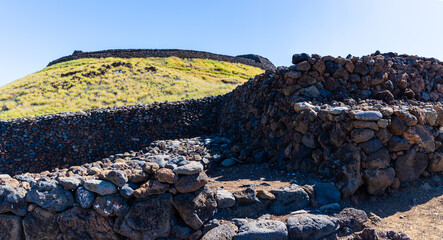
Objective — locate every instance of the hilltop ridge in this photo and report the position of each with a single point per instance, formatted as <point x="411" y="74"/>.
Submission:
<point x="248" y="59"/>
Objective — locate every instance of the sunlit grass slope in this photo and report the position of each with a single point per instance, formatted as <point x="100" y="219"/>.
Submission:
<point x="99" y="83"/>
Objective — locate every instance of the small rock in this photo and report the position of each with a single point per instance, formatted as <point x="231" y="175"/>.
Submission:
<point x="300" y="106"/>
<point x="312" y="91"/>
<point x="196" y="208"/>
<point x="84" y="197"/>
<point x="12" y="199"/>
<point x="111" y="205"/>
<point x="191" y="183"/>
<point x="289" y="199"/>
<point x="262" y="230"/>
<point x="151" y="187"/>
<point x="50" y="196"/>
<point x="70" y="183"/>
<point x="326" y="193"/>
<point x="365" y="124"/>
<point x="310" y="226"/>
<point x="352" y="218"/>
<point x="100" y="187"/>
<point x="189" y="169"/>
<point x="263" y="194"/>
<point x="225" y="231"/>
<point x="361" y="135"/>
<point x="126" y="191"/>
<point x="224" y="198"/>
<point x="330" y="207"/>
<point x="166" y="175"/>
<point x="377" y="180"/>
<point x="228" y="162"/>
<point x="117" y="177"/>
<point x="368" y="116"/>
<point x="338" y="110"/>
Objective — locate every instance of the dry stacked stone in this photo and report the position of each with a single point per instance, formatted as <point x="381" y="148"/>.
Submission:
<point x="67" y="139"/>
<point x="374" y="122"/>
<point x="248" y="59"/>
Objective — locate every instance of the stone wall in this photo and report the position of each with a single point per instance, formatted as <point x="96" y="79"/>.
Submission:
<point x="66" y="139"/>
<point x="373" y="122"/>
<point x="249" y="59"/>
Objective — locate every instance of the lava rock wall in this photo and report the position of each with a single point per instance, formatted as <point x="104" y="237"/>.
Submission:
<point x="374" y="121"/>
<point x="249" y="59"/>
<point x="66" y="139"/>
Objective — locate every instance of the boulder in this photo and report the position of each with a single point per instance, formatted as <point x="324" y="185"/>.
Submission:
<point x="166" y="175"/>
<point x="12" y="199"/>
<point x="422" y="136"/>
<point x="289" y="199"/>
<point x="151" y="187"/>
<point x="262" y="230"/>
<point x="310" y="226"/>
<point x="352" y="218"/>
<point x="379" y="159"/>
<point x="70" y="183"/>
<point x="84" y="197"/>
<point x="326" y="193"/>
<point x="85" y="224"/>
<point x="100" y="187"/>
<point x="11" y="227"/>
<point x="348" y="170"/>
<point x="191" y="183"/>
<point x="371" y="146"/>
<point x="224" y="198"/>
<point x="366" y="124"/>
<point x="377" y="180"/>
<point x="435" y="162"/>
<point x="406" y="117"/>
<point x="33" y="222"/>
<point x="410" y="166"/>
<point x="195" y="208"/>
<point x="189" y="169"/>
<point x="361" y="135"/>
<point x="111" y="205"/>
<point x="246" y="195"/>
<point x="50" y="196"/>
<point x="149" y="218"/>
<point x="117" y="177"/>
<point x="397" y="127"/>
<point x="398" y="144"/>
<point x="368" y="115"/>
<point x="225" y="231"/>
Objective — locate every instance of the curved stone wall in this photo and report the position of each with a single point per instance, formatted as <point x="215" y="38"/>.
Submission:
<point x="372" y="122"/>
<point x="250" y="59"/>
<point x="66" y="139"/>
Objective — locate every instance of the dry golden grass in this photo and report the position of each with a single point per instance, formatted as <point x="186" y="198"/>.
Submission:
<point x="100" y="83"/>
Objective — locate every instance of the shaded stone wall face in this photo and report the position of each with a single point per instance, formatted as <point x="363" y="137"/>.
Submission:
<point x="252" y="60"/>
<point x="370" y="122"/>
<point x="46" y="142"/>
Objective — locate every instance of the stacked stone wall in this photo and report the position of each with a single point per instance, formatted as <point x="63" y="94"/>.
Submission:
<point x="249" y="59"/>
<point x="66" y="139"/>
<point x="373" y="122"/>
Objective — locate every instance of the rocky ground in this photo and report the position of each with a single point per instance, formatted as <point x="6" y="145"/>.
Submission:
<point x="414" y="210"/>
<point x="254" y="201"/>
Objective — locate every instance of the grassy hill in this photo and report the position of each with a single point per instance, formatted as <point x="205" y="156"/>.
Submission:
<point x="99" y="83"/>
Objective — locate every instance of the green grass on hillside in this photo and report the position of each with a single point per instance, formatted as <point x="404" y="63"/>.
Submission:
<point x="99" y="83"/>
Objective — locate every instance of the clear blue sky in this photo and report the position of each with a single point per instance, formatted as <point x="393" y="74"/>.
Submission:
<point x="32" y="33"/>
